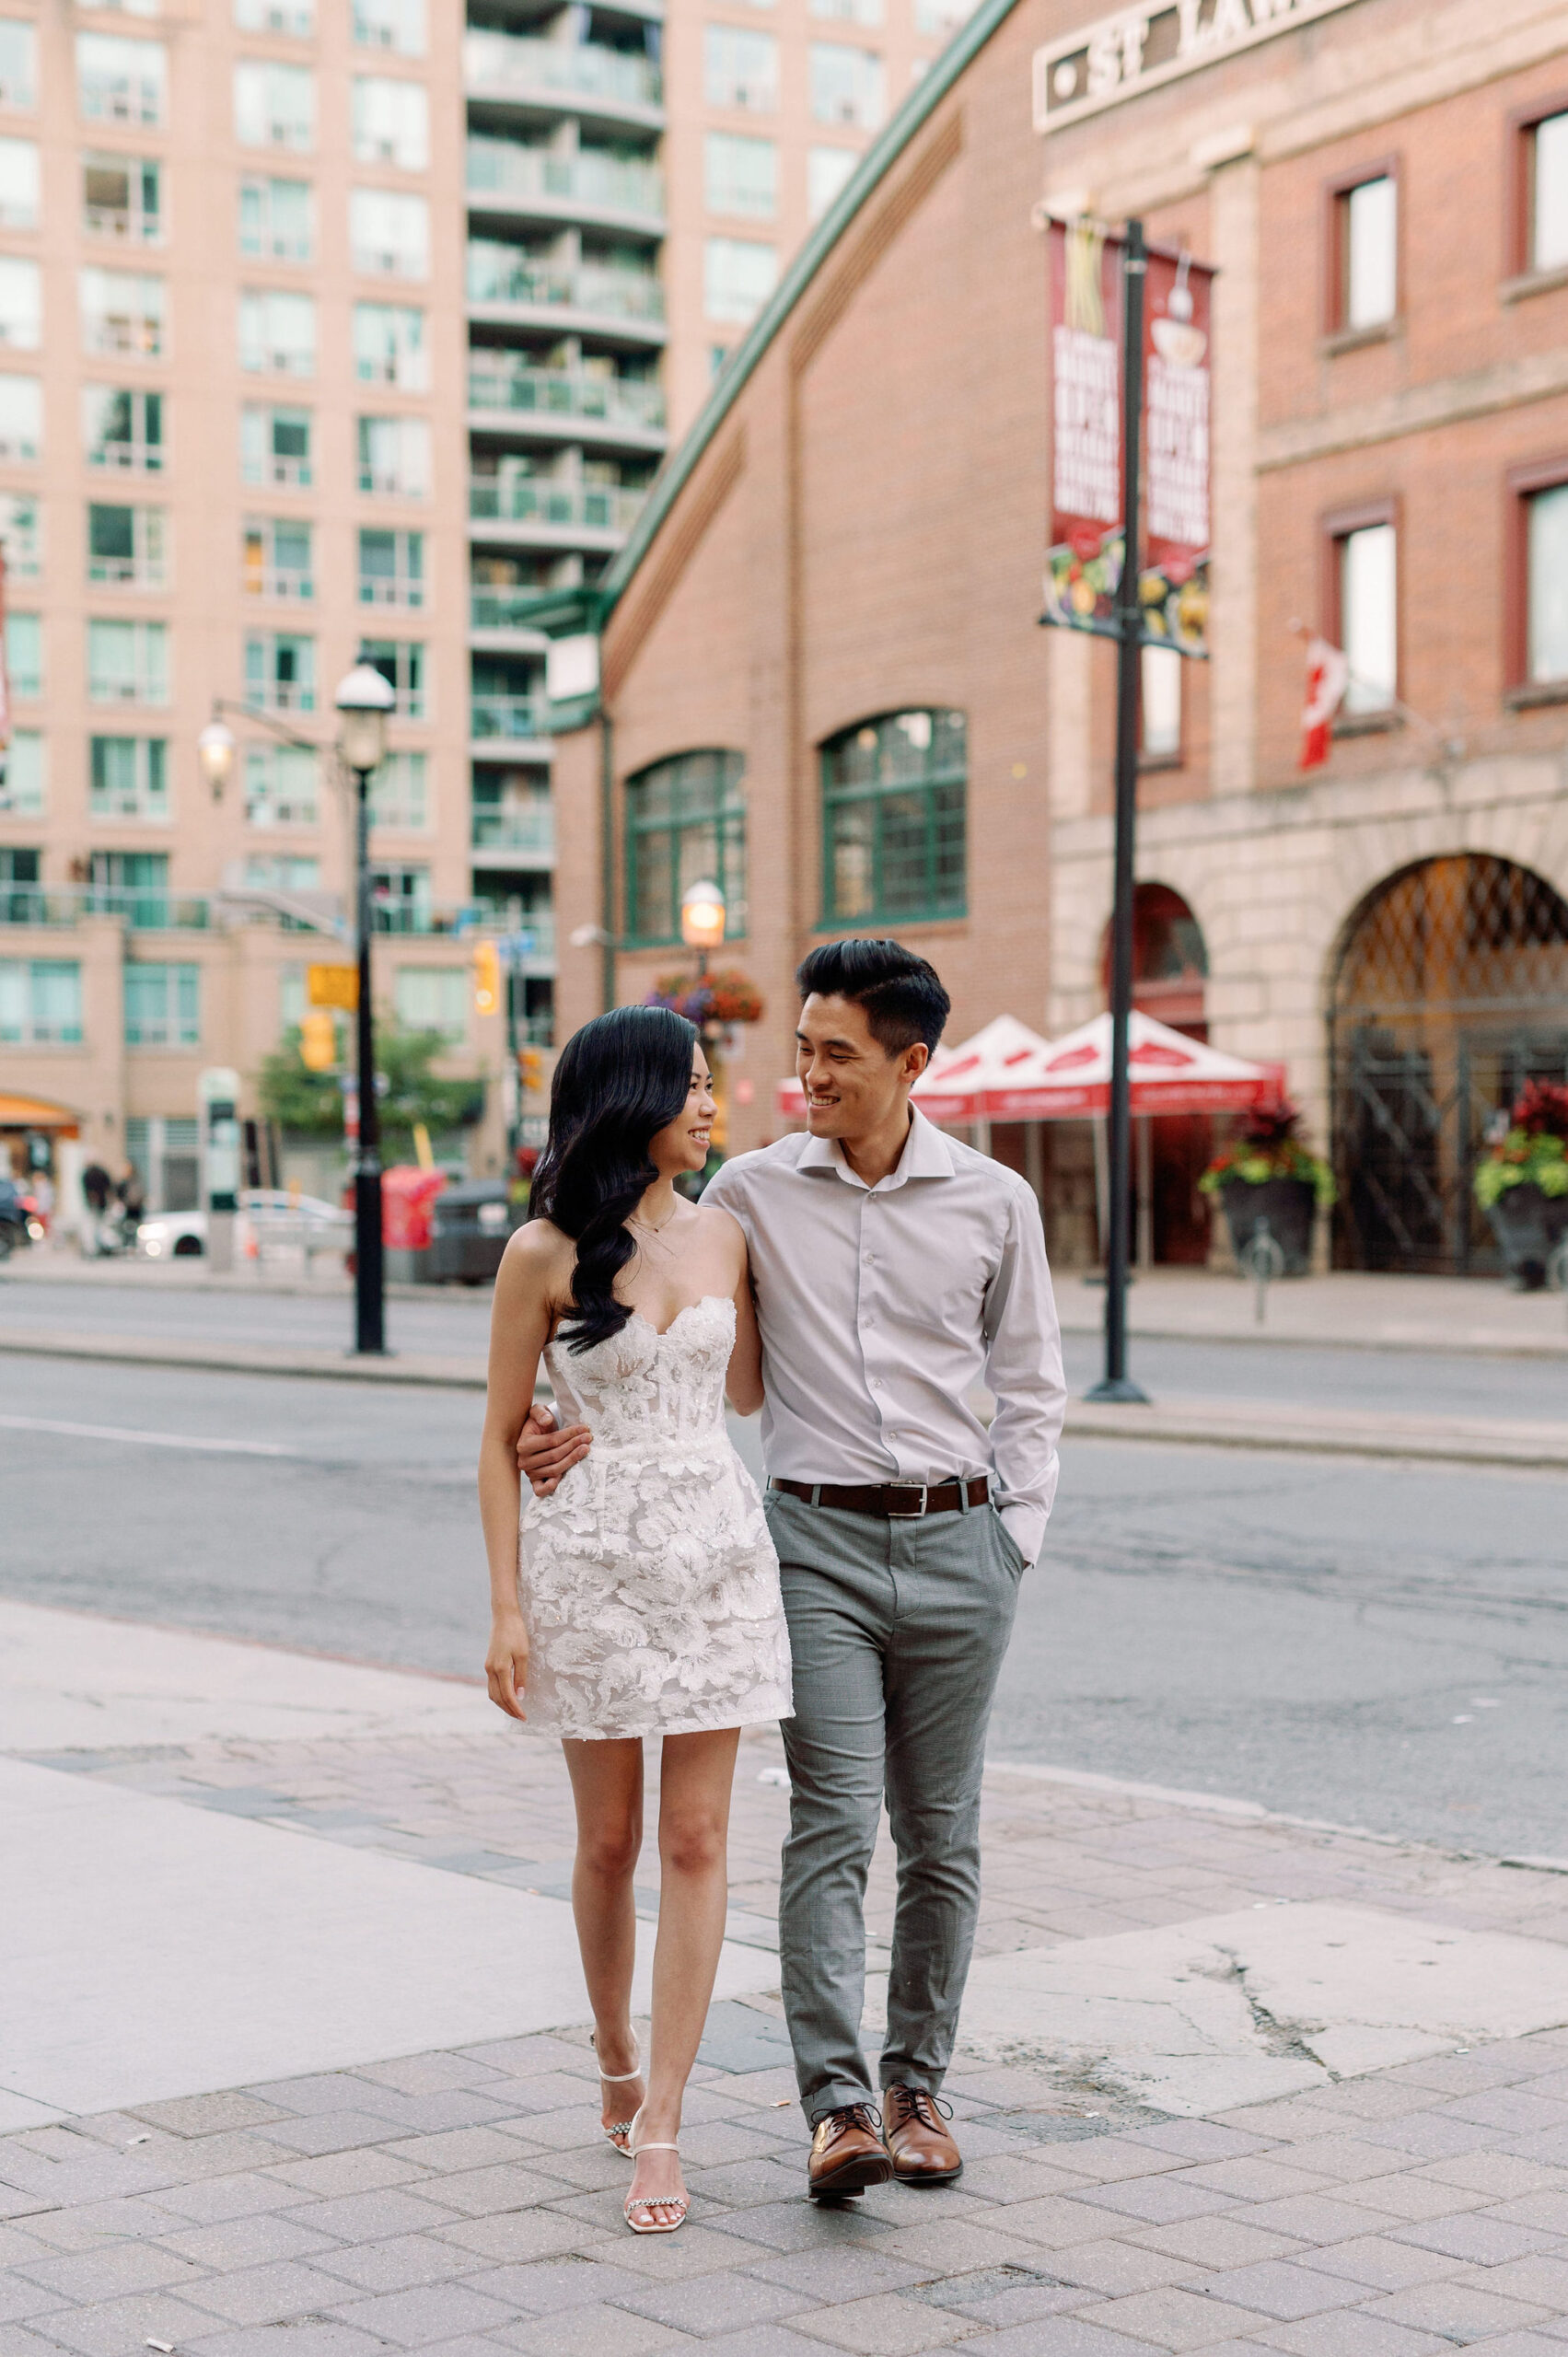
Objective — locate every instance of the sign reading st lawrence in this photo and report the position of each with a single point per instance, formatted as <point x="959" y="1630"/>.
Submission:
<point x="1138" y="49"/>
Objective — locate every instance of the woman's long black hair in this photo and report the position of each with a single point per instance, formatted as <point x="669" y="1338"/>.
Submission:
<point x="620" y="1079"/>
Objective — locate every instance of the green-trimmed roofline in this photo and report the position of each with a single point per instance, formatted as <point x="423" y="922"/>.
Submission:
<point x="562" y="612"/>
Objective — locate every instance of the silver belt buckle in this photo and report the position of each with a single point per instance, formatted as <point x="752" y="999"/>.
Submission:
<point x="912" y="1514"/>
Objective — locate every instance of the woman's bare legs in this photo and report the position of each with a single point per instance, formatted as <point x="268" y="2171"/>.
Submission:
<point x="607" y="1788"/>
<point x="696" y="1776"/>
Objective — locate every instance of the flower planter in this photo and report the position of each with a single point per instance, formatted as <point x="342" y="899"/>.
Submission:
<point x="1528" y="1226"/>
<point x="1290" y="1206"/>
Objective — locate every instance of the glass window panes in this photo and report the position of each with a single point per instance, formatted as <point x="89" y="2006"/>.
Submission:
<point x="277" y="558"/>
<point x="21" y="304"/>
<point x="275" y="106"/>
<point x="394" y="456"/>
<point x="121" y="81"/>
<point x="294" y="19"/>
<point x="162" y="1006"/>
<point x="280" y="671"/>
<point x="400" y="662"/>
<point x="399" y="898"/>
<point x="1547" y="592"/>
<point x="277" y="331"/>
<point x="399" y="794"/>
<point x="391" y="568"/>
<point x="741" y="175"/>
<point x="826" y="169"/>
<point x="685" y="824"/>
<point x="1368" y="616"/>
<point x="1549" y="195"/>
<point x="740" y="68"/>
<point x="127" y="662"/>
<point x="854" y="12"/>
<point x="391" y="122"/>
<point x="24" y="654"/>
<point x="388" y="233"/>
<point x="282" y="871"/>
<point x="122" y="429"/>
<point x="1369" y="253"/>
<point x="939" y="19"/>
<point x="127" y="546"/>
<point x="274" y="446"/>
<point x="739" y="275"/>
<point x="22" y="535"/>
<point x="19" y="184"/>
<point x="277" y="219"/>
<point x="397" y="25"/>
<point x="22" y="794"/>
<point x="1160" y="704"/>
<point x="21" y="417"/>
<point x="389" y="346"/>
<point x="129" y="778"/>
<point x="432" y="998"/>
<point x="894" y="818"/>
<point x="18" y="62"/>
<point x="123" y="198"/>
<point x="848" y="86"/>
<point x="122" y="312"/>
<point x="281" y="785"/>
<point x="40" y="1001"/>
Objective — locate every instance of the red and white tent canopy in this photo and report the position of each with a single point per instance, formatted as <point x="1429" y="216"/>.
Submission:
<point x="1170" y="1074"/>
<point x="958" y="1082"/>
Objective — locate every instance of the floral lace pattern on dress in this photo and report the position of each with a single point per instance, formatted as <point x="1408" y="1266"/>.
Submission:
<point x="648" y="1582"/>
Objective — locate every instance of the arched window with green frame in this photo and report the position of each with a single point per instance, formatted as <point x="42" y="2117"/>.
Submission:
<point x="894" y="796"/>
<point x="685" y="824"/>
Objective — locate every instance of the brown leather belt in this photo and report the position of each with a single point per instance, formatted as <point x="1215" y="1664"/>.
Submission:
<point x="895" y="1501"/>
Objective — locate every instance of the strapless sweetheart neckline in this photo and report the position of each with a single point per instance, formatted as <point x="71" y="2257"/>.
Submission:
<point x="659" y="1333"/>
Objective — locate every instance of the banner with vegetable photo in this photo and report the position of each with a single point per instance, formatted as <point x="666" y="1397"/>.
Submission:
<point x="1084" y="561"/>
<point x="1173" y="586"/>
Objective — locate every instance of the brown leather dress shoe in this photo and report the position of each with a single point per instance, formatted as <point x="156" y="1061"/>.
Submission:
<point x="921" y="2146"/>
<point x="847" y="2152"/>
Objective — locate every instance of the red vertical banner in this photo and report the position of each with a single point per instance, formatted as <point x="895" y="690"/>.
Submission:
<point x="1173" y="586"/>
<point x="1084" y="561"/>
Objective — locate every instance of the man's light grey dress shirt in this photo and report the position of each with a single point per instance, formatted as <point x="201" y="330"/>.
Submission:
<point x="883" y="1307"/>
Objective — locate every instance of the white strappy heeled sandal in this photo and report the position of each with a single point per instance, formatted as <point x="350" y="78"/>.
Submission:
<point x="652" y="2201"/>
<point x="617" y="2130"/>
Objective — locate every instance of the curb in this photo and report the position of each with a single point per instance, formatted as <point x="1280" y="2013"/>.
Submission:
<point x="253" y="1358"/>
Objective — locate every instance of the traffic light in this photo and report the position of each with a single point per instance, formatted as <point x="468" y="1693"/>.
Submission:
<point x="530" y="1070"/>
<point x="486" y="978"/>
<point x="317" y="1042"/>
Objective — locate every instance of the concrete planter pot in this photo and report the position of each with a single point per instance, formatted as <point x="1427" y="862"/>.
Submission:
<point x="1528" y="1226"/>
<point x="1290" y="1206"/>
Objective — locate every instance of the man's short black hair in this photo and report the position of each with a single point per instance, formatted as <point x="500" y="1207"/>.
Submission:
<point x="901" y="993"/>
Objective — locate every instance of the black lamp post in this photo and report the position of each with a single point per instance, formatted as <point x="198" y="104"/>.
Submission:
<point x="363" y="700"/>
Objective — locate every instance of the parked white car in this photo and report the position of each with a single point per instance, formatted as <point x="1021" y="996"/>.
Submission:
<point x="267" y="1215"/>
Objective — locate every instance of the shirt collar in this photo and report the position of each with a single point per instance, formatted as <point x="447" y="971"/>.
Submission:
<point x="925" y="1156"/>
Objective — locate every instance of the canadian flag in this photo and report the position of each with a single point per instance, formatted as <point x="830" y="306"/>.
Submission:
<point x="1328" y="674"/>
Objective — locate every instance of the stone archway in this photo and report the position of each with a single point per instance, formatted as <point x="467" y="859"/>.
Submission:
<point x="1449" y="990"/>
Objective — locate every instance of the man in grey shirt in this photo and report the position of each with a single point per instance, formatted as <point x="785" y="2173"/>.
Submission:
<point x="895" y="1270"/>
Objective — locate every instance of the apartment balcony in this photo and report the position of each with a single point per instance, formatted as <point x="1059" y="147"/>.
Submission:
<point x="499" y="725"/>
<point x="505" y="176"/>
<point x="514" y="838"/>
<point x="509" y="287"/>
<point x="143" y="908"/>
<point x="508" y="609"/>
<point x="607" y="85"/>
<point x="565" y="404"/>
<point x="538" y="511"/>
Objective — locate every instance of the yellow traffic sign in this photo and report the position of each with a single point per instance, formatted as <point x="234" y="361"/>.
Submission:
<point x="333" y="986"/>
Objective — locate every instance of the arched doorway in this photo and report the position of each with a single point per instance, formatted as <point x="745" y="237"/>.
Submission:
<point x="1170" y="971"/>
<point x="1450" y="991"/>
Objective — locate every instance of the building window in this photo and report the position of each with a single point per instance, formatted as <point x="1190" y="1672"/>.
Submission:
<point x="21" y="418"/>
<point x="1545" y="160"/>
<point x="848" y="86"/>
<point x="394" y="457"/>
<point x="121" y="81"/>
<point x="277" y="332"/>
<point x="19" y="184"/>
<point x="274" y="446"/>
<point x="1159" y="705"/>
<point x="294" y="19"/>
<point x="397" y="25"/>
<point x="130" y="778"/>
<point x="40" y="1001"/>
<point x="1546" y="584"/>
<point x="24" y="654"/>
<point x="277" y="558"/>
<point x="22" y="789"/>
<point x="163" y="1007"/>
<point x="275" y="106"/>
<point x="741" y="175"/>
<point x="434" y="998"/>
<point x="853" y="12"/>
<point x="280" y="671"/>
<point x="1366" y="583"/>
<point x="391" y="569"/>
<point x="123" y="198"/>
<point x="21" y="535"/>
<point x="18" y="64"/>
<point x="739" y="275"/>
<point x="127" y="546"/>
<point x="400" y="662"/>
<point x="1366" y="290"/>
<point x="122" y="312"/>
<point x="740" y="68"/>
<point x="277" y="219"/>
<point x="282" y="871"/>
<point x="399" y="795"/>
<point x="389" y="235"/>
<point x="391" y="122"/>
<point x="893" y="819"/>
<point x="21" y="304"/>
<point x="826" y="169"/>
<point x="281" y="785"/>
<point x="400" y="899"/>
<point x="940" y="19"/>
<point x="389" y="346"/>
<point x="685" y="822"/>
<point x="128" y="662"/>
<point x="122" y="430"/>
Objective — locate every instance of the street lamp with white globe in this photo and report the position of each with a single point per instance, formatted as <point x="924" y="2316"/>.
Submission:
<point x="364" y="700"/>
<point x="703" y="915"/>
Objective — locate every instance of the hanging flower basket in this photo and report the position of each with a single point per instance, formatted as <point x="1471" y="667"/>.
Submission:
<point x="1522" y="1186"/>
<point x="716" y="998"/>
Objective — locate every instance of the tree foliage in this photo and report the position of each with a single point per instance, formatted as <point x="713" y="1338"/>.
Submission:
<point x="309" y="1104"/>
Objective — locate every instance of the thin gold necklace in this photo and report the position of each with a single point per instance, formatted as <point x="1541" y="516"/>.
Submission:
<point x="655" y="1227"/>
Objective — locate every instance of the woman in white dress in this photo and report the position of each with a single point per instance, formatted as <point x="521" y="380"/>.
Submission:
<point x="642" y="1596"/>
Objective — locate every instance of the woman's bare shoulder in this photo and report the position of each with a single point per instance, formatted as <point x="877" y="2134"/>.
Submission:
<point x="540" y="1252"/>
<point x="722" y="1229"/>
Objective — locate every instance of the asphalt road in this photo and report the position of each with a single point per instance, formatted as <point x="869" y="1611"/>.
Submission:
<point x="1366" y="1643"/>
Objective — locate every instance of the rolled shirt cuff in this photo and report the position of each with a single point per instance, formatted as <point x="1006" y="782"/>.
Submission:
<point x="1025" y="1529"/>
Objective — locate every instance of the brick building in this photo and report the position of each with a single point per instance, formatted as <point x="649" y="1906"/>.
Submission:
<point x="821" y="666"/>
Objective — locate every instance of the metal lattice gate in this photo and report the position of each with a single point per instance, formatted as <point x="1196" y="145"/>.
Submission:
<point x="1452" y="991"/>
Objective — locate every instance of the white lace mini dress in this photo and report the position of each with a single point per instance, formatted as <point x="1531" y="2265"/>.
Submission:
<point x="648" y="1582"/>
